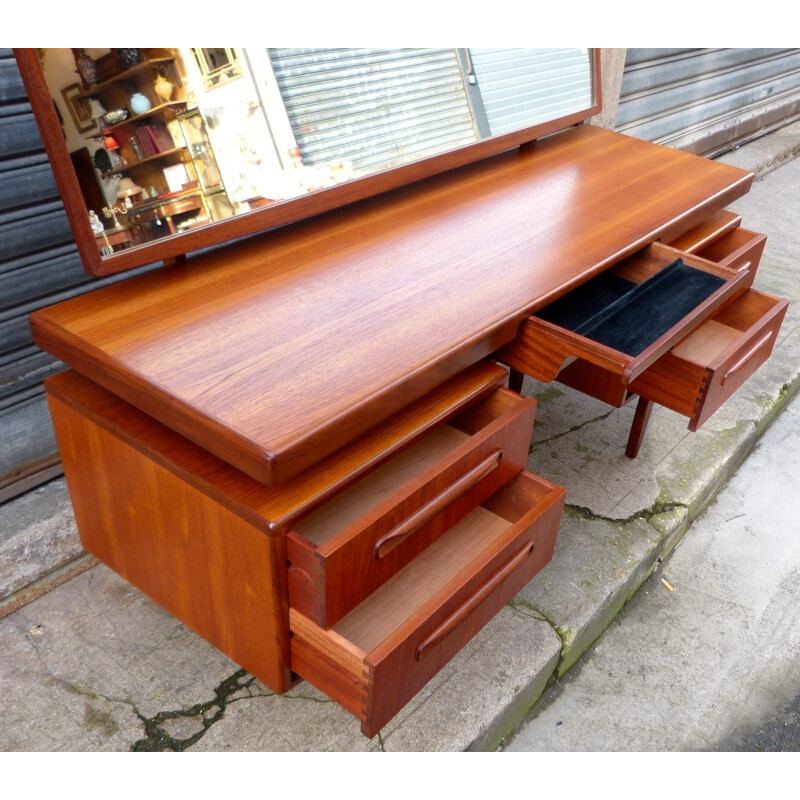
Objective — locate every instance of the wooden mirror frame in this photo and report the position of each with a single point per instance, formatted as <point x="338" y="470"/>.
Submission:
<point x="263" y="219"/>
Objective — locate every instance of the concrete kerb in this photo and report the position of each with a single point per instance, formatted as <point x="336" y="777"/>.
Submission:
<point x="627" y="552"/>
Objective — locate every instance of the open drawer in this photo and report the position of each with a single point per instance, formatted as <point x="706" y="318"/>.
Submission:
<point x="737" y="249"/>
<point x="711" y="228"/>
<point x="348" y="547"/>
<point x="379" y="656"/>
<point x="698" y="375"/>
<point x="610" y="329"/>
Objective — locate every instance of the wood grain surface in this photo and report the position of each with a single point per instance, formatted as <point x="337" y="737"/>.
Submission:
<point x="274" y="352"/>
<point x="272" y="509"/>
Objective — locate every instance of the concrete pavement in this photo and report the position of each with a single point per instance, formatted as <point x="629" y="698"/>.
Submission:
<point x="706" y="656"/>
<point x="94" y="665"/>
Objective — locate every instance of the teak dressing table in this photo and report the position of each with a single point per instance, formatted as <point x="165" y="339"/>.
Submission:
<point x="302" y="444"/>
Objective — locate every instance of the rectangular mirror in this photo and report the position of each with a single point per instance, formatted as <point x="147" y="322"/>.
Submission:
<point x="159" y="152"/>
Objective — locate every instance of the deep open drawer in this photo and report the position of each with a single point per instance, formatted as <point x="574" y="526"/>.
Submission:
<point x="351" y="545"/>
<point x="698" y="375"/>
<point x="381" y="654"/>
<point x="634" y="313"/>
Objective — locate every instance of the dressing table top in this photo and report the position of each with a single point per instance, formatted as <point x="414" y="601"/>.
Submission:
<point x="275" y="351"/>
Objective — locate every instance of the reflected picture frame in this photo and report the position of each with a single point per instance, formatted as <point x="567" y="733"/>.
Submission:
<point x="78" y="108"/>
<point x="217" y="65"/>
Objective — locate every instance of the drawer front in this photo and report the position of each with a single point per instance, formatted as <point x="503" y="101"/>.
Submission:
<point x="348" y="548"/>
<point x="737" y="249"/>
<point x="379" y="656"/>
<point x="543" y="346"/>
<point x="697" y="376"/>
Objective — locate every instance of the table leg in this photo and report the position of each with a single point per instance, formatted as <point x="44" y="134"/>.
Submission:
<point x="640" y="420"/>
<point x="515" y="378"/>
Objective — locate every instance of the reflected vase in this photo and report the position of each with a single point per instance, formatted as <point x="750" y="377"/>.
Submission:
<point x="140" y="104"/>
<point x="87" y="68"/>
<point x="163" y="88"/>
<point x="128" y="56"/>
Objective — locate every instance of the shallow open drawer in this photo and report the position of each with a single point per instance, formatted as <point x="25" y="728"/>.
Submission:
<point x="711" y="228"/>
<point x="698" y="375"/>
<point x="380" y="655"/>
<point x="351" y="545"/>
<point x="737" y="249"/>
<point x="618" y="323"/>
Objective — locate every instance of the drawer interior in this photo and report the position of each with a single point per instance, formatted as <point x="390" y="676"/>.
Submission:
<point x="386" y="609"/>
<point x="708" y="343"/>
<point x="610" y="328"/>
<point x="400" y="470"/>
<point x="624" y="314"/>
<point x="355" y="501"/>
<point x="703" y="370"/>
<point x="732" y="242"/>
<point x="379" y="655"/>
<point x="710" y="229"/>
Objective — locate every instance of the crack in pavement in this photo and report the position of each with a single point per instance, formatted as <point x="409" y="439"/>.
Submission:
<point x="237" y="687"/>
<point x="646" y="514"/>
<point x="573" y="429"/>
<point x="157" y="739"/>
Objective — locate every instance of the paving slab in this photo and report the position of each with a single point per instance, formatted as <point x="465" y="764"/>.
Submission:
<point x="38" y="536"/>
<point x="95" y="665"/>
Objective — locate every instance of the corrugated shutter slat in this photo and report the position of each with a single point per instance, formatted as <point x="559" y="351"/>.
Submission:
<point x="708" y="100"/>
<point x="374" y="108"/>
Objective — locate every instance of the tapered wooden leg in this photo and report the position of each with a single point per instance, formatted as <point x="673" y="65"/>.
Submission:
<point x="515" y="378"/>
<point x="640" y="420"/>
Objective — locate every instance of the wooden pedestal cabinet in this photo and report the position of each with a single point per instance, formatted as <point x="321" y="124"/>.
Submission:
<point x="399" y="549"/>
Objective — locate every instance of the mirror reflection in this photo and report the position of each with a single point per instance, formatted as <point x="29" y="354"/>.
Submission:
<point x="169" y="140"/>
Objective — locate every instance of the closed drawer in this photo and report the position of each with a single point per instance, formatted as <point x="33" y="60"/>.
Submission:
<point x="698" y="375"/>
<point x="377" y="658"/>
<point x="610" y="329"/>
<point x="351" y="545"/>
<point x="737" y="249"/>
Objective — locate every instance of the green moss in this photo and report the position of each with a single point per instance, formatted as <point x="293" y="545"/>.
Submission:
<point x="546" y="395"/>
<point x="99" y="719"/>
<point x="567" y="635"/>
<point x="661" y="506"/>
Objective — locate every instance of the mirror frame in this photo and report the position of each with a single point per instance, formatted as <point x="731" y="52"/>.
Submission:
<point x="263" y="219"/>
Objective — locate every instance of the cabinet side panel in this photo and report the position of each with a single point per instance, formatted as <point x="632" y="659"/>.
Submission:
<point x="212" y="570"/>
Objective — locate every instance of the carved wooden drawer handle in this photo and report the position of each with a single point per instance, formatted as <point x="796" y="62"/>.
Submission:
<point x="427" y="512"/>
<point x="746" y="357"/>
<point x="474" y="601"/>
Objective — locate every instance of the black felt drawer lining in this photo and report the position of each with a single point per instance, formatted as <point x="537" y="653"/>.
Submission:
<point x="629" y="316"/>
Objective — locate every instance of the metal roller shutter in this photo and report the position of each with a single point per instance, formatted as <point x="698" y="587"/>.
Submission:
<point x="375" y="108"/>
<point x="39" y="265"/>
<point x="708" y="100"/>
<point x="523" y="86"/>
